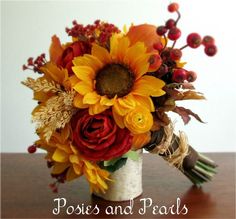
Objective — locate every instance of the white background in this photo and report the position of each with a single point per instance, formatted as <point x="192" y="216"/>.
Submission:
<point x="26" y="29"/>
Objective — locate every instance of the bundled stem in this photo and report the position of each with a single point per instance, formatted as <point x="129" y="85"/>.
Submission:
<point x="197" y="167"/>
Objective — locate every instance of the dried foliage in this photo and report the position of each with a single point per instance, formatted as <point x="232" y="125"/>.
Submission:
<point x="41" y="84"/>
<point x="55" y="114"/>
<point x="186" y="113"/>
<point x="184" y="95"/>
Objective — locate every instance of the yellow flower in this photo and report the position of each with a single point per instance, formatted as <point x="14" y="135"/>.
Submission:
<point x="139" y="120"/>
<point x="115" y="78"/>
<point x="65" y="157"/>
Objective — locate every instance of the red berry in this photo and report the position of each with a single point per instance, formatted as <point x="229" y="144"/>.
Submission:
<point x="194" y="40"/>
<point x="158" y="46"/>
<point x="24" y="67"/>
<point x="161" y="30"/>
<point x="55" y="190"/>
<point x="173" y="7"/>
<point x="174" y="33"/>
<point x="52" y="185"/>
<point x="210" y="50"/>
<point x="162" y="70"/>
<point x="170" y="23"/>
<point x="191" y="76"/>
<point x="175" y="54"/>
<point x="179" y="75"/>
<point x="208" y="40"/>
<point x="154" y="61"/>
<point x="32" y="149"/>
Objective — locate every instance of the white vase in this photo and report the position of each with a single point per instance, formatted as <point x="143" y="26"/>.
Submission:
<point x="127" y="181"/>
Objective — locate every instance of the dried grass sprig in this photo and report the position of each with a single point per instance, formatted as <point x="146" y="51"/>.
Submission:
<point x="55" y="114"/>
<point x="41" y="84"/>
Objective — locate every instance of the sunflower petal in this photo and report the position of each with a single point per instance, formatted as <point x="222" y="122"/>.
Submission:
<point x="78" y="169"/>
<point x="114" y="45"/>
<point x="83" y="87"/>
<point x="74" y="159"/>
<point x="141" y="66"/>
<point x="127" y="101"/>
<point x="78" y="102"/>
<point x="97" y="108"/>
<point x="101" y="53"/>
<point x="134" y="53"/>
<point x="118" y="119"/>
<point x="84" y="73"/>
<point x="123" y="45"/>
<point x="106" y="101"/>
<point x="52" y="71"/>
<point x="90" y="175"/>
<point x="70" y="175"/>
<point x="101" y="182"/>
<point x="88" y="60"/>
<point x="120" y="110"/>
<point x="73" y="80"/>
<point x="89" y="165"/>
<point x="59" y="167"/>
<point x="60" y="156"/>
<point x="148" y="86"/>
<point x="91" y="98"/>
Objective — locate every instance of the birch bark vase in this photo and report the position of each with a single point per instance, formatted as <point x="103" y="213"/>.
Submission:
<point x="127" y="181"/>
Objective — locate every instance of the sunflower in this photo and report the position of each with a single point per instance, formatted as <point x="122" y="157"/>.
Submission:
<point x="67" y="160"/>
<point x="116" y="78"/>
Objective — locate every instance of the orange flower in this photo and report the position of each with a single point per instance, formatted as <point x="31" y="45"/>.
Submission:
<point x="145" y="33"/>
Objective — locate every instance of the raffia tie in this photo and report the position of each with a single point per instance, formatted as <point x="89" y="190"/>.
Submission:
<point x="177" y="156"/>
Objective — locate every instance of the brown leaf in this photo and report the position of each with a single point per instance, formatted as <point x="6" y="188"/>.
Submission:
<point x="169" y="105"/>
<point x="185" y="114"/>
<point x="162" y="118"/>
<point x="192" y="95"/>
<point x="175" y="94"/>
<point x="188" y="86"/>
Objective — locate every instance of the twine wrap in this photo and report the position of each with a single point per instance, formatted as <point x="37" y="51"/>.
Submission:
<point x="174" y="149"/>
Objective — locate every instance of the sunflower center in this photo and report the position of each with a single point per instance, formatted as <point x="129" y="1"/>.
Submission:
<point x="114" y="79"/>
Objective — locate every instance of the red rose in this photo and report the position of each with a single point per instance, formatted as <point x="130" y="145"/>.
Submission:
<point x="73" y="50"/>
<point x="98" y="137"/>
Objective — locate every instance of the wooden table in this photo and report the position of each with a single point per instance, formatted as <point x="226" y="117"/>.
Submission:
<point x="25" y="192"/>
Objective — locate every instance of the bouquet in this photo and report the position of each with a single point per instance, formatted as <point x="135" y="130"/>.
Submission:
<point x="106" y="94"/>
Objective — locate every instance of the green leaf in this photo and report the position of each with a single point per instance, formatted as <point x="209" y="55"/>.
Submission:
<point x="107" y="163"/>
<point x="120" y="162"/>
<point x="133" y="155"/>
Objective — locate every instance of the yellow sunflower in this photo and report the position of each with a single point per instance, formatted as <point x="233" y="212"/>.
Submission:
<point x="116" y="78"/>
<point x="65" y="157"/>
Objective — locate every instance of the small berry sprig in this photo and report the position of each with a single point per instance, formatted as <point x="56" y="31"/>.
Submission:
<point x="32" y="149"/>
<point x="60" y="179"/>
<point x="35" y="64"/>
<point x="99" y="31"/>
<point x="169" y="70"/>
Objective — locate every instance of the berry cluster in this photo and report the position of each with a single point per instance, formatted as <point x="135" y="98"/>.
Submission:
<point x="36" y="64"/>
<point x="99" y="31"/>
<point x="170" y="71"/>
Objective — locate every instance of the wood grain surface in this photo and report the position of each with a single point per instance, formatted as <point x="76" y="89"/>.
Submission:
<point x="25" y="192"/>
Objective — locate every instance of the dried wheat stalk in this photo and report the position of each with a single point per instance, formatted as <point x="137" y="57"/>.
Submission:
<point x="42" y="84"/>
<point x="55" y="114"/>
